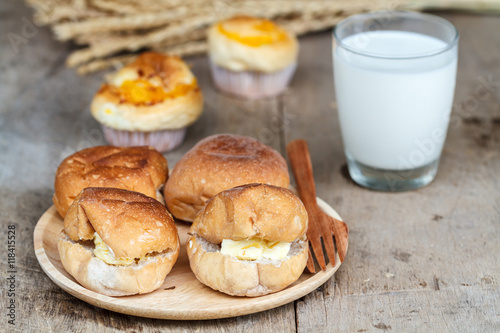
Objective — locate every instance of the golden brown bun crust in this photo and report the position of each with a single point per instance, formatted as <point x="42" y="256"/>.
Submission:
<point x="252" y="211"/>
<point x="91" y="272"/>
<point x="110" y="108"/>
<point x="249" y="211"/>
<point x="234" y="55"/>
<point x="129" y="223"/>
<point x="218" y="163"/>
<point x="244" y="278"/>
<point x="140" y="169"/>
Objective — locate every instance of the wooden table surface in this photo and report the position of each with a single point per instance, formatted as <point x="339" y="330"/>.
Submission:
<point x="419" y="261"/>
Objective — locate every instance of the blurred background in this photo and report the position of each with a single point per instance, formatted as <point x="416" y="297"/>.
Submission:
<point x="108" y="31"/>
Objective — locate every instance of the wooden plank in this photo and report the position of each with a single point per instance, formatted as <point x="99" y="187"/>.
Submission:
<point x="424" y="250"/>
<point x="464" y="309"/>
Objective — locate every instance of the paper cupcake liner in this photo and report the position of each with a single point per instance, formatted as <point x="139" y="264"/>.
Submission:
<point x="162" y="141"/>
<point x="251" y="84"/>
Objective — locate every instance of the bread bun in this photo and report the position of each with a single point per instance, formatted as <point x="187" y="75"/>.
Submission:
<point x="253" y="211"/>
<point x="140" y="169"/>
<point x="155" y="92"/>
<point x="218" y="163"/>
<point x="131" y="228"/>
<point x="251" y="44"/>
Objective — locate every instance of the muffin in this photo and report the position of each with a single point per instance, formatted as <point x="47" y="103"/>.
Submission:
<point x="251" y="57"/>
<point x="218" y="163"/>
<point x="149" y="102"/>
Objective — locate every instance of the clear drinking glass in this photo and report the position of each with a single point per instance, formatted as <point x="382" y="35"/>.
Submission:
<point x="394" y="75"/>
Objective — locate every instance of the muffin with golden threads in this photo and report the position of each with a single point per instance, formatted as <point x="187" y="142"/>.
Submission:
<point x="251" y="57"/>
<point x="150" y="102"/>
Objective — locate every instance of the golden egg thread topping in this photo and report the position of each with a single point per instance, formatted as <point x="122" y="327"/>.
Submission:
<point x="259" y="33"/>
<point x="141" y="91"/>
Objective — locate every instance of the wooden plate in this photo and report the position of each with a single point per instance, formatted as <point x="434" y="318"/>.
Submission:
<point x="181" y="296"/>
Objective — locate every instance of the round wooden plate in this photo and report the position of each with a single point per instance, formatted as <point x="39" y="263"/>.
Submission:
<point x="182" y="296"/>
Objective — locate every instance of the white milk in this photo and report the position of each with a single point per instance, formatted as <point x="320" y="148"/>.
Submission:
<point x="394" y="112"/>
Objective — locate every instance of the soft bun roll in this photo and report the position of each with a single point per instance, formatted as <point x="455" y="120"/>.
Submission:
<point x="118" y="242"/>
<point x="140" y="169"/>
<point x="256" y="216"/>
<point x="252" y="211"/>
<point x="218" y="163"/>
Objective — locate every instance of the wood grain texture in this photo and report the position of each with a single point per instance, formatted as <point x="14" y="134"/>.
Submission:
<point x="418" y="261"/>
<point x="322" y="228"/>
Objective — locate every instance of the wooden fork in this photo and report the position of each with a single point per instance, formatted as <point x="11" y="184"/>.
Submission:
<point x="321" y="225"/>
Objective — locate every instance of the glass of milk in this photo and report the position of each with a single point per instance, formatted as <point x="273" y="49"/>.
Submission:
<point x="394" y="75"/>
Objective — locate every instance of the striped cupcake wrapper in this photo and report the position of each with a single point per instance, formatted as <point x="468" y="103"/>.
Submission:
<point x="163" y="141"/>
<point x="250" y="84"/>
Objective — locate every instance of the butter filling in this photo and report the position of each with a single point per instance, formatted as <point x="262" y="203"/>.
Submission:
<point x="103" y="252"/>
<point x="255" y="249"/>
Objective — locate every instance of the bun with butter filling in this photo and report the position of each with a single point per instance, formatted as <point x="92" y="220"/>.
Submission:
<point x="249" y="240"/>
<point x="118" y="242"/>
<point x="218" y="163"/>
<point x="140" y="169"/>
